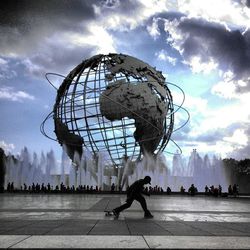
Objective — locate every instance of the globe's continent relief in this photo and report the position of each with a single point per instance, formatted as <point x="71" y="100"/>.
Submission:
<point x="145" y="101"/>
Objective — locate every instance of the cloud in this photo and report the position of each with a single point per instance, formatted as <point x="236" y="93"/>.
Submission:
<point x="24" y="25"/>
<point x="52" y="36"/>
<point x="76" y="47"/>
<point x="162" y="55"/>
<point x="229" y="134"/>
<point x="224" y="129"/>
<point x="197" y="66"/>
<point x="246" y="2"/>
<point x="153" y="29"/>
<point x="229" y="11"/>
<point x="206" y="46"/>
<point x="7" y="147"/>
<point x="225" y="88"/>
<point x="49" y="58"/>
<point x="9" y="93"/>
<point x="6" y="72"/>
<point x="244" y="151"/>
<point x="126" y="15"/>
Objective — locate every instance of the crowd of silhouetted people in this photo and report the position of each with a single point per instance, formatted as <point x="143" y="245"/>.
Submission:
<point x="37" y="188"/>
<point x="192" y="190"/>
<point x="217" y="191"/>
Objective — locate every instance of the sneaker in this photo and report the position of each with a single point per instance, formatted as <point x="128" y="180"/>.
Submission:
<point x="148" y="216"/>
<point x="115" y="214"/>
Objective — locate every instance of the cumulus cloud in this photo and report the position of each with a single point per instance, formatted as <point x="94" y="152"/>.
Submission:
<point x="126" y="15"/>
<point x="244" y="151"/>
<point x="223" y="11"/>
<point x="40" y="34"/>
<point x="206" y="46"/>
<point x="8" y="93"/>
<point x="25" y="24"/>
<point x="223" y="129"/>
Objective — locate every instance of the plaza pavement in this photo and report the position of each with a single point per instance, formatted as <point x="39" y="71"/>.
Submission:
<point x="78" y="221"/>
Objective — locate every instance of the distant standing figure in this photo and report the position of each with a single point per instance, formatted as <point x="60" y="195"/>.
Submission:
<point x="235" y="191"/>
<point x="206" y="189"/>
<point x="8" y="187"/>
<point x="192" y="190"/>
<point x="230" y="190"/>
<point x="219" y="190"/>
<point x="112" y="187"/>
<point x="135" y="192"/>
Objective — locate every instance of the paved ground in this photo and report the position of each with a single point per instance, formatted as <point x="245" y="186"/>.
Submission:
<point x="78" y="220"/>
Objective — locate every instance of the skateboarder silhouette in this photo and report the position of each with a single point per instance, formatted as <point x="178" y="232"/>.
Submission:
<point x="135" y="192"/>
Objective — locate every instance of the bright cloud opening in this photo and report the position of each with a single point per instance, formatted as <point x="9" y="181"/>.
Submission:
<point x="197" y="66"/>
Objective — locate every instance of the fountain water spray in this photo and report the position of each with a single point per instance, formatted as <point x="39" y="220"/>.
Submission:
<point x="96" y="171"/>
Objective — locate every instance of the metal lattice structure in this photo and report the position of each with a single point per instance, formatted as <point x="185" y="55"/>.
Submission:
<point x="89" y="114"/>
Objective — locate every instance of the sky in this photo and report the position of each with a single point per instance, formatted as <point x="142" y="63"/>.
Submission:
<point x="201" y="46"/>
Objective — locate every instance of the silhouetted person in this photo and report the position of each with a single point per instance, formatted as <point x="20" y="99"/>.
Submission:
<point x="37" y="187"/>
<point x="24" y="186"/>
<point x="192" y="190"/>
<point x="43" y="187"/>
<point x="8" y="187"/>
<point x="206" y="189"/>
<point x="135" y="192"/>
<point x="48" y="187"/>
<point x="169" y="190"/>
<point x="33" y="187"/>
<point x="212" y="190"/>
<point x="230" y="190"/>
<point x="219" y="190"/>
<point x="113" y="187"/>
<point x="182" y="190"/>
<point x="235" y="191"/>
<point x="62" y="188"/>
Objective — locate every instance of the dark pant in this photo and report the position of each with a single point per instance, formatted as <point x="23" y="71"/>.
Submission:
<point x="129" y="202"/>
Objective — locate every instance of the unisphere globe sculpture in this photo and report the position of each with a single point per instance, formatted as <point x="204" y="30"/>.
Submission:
<point x="116" y="104"/>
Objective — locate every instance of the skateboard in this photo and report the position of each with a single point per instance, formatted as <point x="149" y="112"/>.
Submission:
<point x="108" y="213"/>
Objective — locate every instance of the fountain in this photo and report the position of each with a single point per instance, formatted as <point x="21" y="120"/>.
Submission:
<point x="95" y="171"/>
